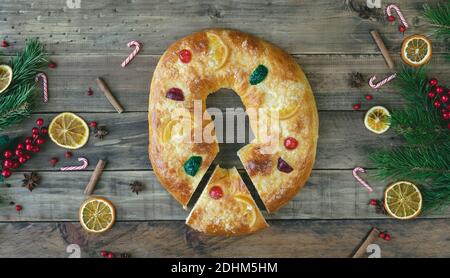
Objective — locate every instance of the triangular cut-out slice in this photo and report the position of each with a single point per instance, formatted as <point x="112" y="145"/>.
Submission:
<point x="226" y="207"/>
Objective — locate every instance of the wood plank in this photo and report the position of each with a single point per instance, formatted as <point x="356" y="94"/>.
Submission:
<point x="344" y="142"/>
<point x="329" y="194"/>
<point x="328" y="74"/>
<point x="336" y="238"/>
<point x="298" y="26"/>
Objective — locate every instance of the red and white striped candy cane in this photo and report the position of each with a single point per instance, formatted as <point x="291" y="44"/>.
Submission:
<point x="77" y="168"/>
<point x="382" y="82"/>
<point x="399" y="13"/>
<point x="130" y="57"/>
<point x="43" y="76"/>
<point x="359" y="179"/>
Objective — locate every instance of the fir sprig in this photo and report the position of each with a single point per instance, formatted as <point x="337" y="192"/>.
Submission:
<point x="424" y="159"/>
<point x="439" y="17"/>
<point x="16" y="102"/>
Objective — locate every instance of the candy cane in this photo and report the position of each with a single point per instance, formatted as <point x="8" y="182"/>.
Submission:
<point x="382" y="82"/>
<point x="77" y="168"/>
<point x="399" y="13"/>
<point x="360" y="180"/>
<point x="43" y="76"/>
<point x="130" y="57"/>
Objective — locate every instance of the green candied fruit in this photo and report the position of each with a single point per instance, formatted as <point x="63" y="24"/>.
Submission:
<point x="192" y="165"/>
<point x="258" y="75"/>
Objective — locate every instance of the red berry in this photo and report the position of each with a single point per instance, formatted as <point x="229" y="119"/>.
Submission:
<point x="93" y="124"/>
<point x="373" y="202"/>
<point x="381" y="235"/>
<point x="6" y="173"/>
<point x="387" y="237"/>
<point x="40" y="141"/>
<point x="110" y="255"/>
<point x="40" y="122"/>
<point x="36" y="149"/>
<point x="446" y="115"/>
<point x="19" y="152"/>
<point x="368" y="97"/>
<point x="35" y="131"/>
<point x="27" y="156"/>
<point x="7" y="163"/>
<point x="35" y="136"/>
<point x="402" y="28"/>
<point x="19" y="146"/>
<point x="68" y="154"/>
<point x="22" y="160"/>
<point x="8" y="154"/>
<point x="290" y="143"/>
<point x="439" y="89"/>
<point x="431" y="94"/>
<point x="53" y="161"/>
<point x="437" y="104"/>
<point x="44" y="130"/>
<point x="216" y="192"/>
<point x="18" y="208"/>
<point x="15" y="165"/>
<point x="5" y="43"/>
<point x="185" y="56"/>
<point x="444" y="98"/>
<point x="52" y="65"/>
<point x="103" y="253"/>
<point x="28" y="147"/>
<point x="356" y="106"/>
<point x="89" y="92"/>
<point x="433" y="81"/>
<point x="391" y="18"/>
<point x="28" y="141"/>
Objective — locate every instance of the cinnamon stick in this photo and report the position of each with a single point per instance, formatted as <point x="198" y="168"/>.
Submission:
<point x="371" y="238"/>
<point x="95" y="177"/>
<point x="384" y="51"/>
<point x="104" y="87"/>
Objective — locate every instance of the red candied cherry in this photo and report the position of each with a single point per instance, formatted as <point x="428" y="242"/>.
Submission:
<point x="93" y="124"/>
<point x="431" y="94"/>
<point x="68" y="155"/>
<point x="53" y="161"/>
<point x="7" y="163"/>
<point x="368" y="97"/>
<point x="444" y="98"/>
<point x="40" y="122"/>
<point x="290" y="143"/>
<point x="440" y="89"/>
<point x="44" y="130"/>
<point x="185" y="56"/>
<point x="175" y="94"/>
<point x="356" y="106"/>
<point x="19" y="208"/>
<point x="391" y="18"/>
<point x="6" y="173"/>
<point x="216" y="192"/>
<point x="8" y="154"/>
<point x="433" y="82"/>
<point x="402" y="28"/>
<point x="437" y="104"/>
<point x="40" y="141"/>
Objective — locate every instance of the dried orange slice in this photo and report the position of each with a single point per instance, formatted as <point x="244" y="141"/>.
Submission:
<point x="416" y="50"/>
<point x="218" y="51"/>
<point x="97" y="214"/>
<point x="69" y="131"/>
<point x="248" y="212"/>
<point x="5" y="77"/>
<point x="377" y="119"/>
<point x="403" y="200"/>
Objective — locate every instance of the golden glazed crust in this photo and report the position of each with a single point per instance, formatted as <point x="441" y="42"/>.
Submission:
<point x="226" y="59"/>
<point x="234" y="213"/>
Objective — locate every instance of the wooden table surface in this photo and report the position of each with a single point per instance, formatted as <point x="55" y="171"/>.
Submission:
<point x="328" y="218"/>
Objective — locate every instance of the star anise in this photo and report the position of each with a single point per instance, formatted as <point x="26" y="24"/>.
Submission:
<point x="31" y="180"/>
<point x="136" y="187"/>
<point x="100" y="132"/>
<point x="356" y="80"/>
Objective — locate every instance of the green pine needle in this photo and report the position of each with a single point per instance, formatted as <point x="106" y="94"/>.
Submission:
<point x="17" y="101"/>
<point x="439" y="17"/>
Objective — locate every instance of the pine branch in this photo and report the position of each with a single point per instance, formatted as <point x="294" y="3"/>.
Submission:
<point x="439" y="17"/>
